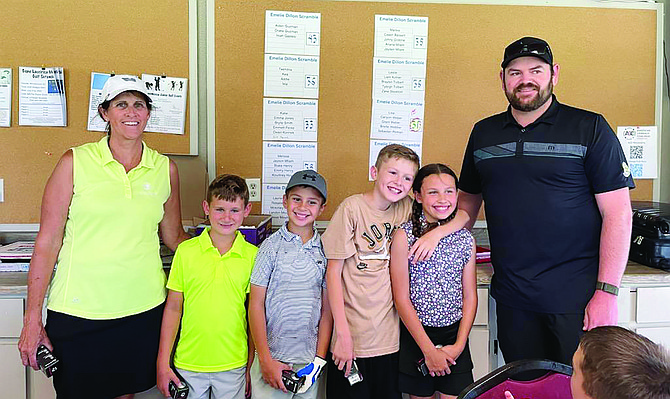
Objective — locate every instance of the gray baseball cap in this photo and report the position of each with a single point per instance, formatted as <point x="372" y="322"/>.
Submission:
<point x="308" y="178"/>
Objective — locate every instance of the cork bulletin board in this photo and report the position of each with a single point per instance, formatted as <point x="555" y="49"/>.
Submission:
<point x="607" y="58"/>
<point x="124" y="37"/>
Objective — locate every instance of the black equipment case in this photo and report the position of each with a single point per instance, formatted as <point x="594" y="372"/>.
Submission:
<point x="650" y="242"/>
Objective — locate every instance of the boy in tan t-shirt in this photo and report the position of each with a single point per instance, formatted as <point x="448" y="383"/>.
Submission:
<point x="356" y="243"/>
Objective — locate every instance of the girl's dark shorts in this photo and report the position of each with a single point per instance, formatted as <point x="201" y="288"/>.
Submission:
<point x="104" y="358"/>
<point x="411" y="381"/>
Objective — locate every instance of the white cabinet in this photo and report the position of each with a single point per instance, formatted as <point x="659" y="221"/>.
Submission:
<point x="645" y="310"/>
<point x="652" y="304"/>
<point x="479" y="344"/>
<point x="11" y="317"/>
<point x="648" y="313"/>
<point x="12" y="371"/>
<point x="482" y="317"/>
<point x="624" y="303"/>
<point x="479" y="336"/>
<point x="39" y="386"/>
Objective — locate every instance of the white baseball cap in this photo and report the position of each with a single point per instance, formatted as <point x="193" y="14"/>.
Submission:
<point x="117" y="84"/>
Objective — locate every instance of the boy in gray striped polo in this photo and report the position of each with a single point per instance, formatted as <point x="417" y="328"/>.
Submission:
<point x="289" y="318"/>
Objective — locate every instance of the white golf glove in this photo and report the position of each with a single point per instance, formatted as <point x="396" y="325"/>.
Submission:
<point x="311" y="373"/>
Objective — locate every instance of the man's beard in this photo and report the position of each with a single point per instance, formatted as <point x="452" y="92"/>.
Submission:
<point x="539" y="100"/>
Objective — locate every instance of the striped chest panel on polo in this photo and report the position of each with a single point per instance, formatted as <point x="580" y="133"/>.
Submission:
<point x="530" y="149"/>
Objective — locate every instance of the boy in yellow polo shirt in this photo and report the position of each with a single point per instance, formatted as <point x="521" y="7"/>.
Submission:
<point x="209" y="286"/>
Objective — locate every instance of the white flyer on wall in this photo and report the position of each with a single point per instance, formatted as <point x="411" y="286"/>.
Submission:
<point x="288" y="32"/>
<point x="289" y="119"/>
<point x="401" y="36"/>
<point x="397" y="120"/>
<point x="377" y="145"/>
<point x="168" y="97"/>
<point x="95" y="122"/>
<point x="272" y="203"/>
<point x="639" y="144"/>
<point x="5" y="97"/>
<point x="42" y="97"/>
<point x="281" y="159"/>
<point x="291" y="76"/>
<point x="398" y="79"/>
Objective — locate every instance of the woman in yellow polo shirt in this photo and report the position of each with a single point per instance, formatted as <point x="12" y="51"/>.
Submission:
<point x="102" y="209"/>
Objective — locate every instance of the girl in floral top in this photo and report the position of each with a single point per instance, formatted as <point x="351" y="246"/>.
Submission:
<point x="436" y="298"/>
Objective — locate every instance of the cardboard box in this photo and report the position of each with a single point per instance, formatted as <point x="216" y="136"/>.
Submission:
<point x="256" y="228"/>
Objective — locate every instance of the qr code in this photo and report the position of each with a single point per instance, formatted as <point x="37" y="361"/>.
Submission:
<point x="636" y="152"/>
<point x="636" y="169"/>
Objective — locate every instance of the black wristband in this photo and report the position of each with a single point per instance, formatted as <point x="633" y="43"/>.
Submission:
<point x="607" y="287"/>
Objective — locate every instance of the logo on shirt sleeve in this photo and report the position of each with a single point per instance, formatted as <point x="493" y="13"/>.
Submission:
<point x="626" y="169"/>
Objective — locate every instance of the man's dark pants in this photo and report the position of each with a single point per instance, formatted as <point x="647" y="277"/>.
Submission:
<point x="532" y="335"/>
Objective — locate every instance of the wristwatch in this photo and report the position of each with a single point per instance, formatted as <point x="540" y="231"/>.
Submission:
<point x="607" y="287"/>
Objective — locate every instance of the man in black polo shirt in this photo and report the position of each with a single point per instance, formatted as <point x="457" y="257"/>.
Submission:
<point x="555" y="183"/>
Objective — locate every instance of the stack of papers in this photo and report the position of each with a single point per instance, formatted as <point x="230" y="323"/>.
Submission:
<point x="483" y="255"/>
<point x="15" y="257"/>
<point x="17" y="251"/>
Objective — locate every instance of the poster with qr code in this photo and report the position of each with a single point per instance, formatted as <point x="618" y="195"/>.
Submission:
<point x="640" y="145"/>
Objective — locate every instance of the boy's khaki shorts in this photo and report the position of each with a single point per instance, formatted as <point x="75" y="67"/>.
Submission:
<point x="224" y="384"/>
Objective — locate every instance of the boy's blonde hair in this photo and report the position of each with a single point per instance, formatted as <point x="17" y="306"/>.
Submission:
<point x="396" y="151"/>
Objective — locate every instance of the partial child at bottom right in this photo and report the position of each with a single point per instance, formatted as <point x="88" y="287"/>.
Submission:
<point x="615" y="363"/>
<point x="436" y="298"/>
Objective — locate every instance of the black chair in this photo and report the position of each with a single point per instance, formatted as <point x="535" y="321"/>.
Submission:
<point x="553" y="385"/>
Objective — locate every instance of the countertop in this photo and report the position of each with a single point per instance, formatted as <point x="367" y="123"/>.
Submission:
<point x="636" y="275"/>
